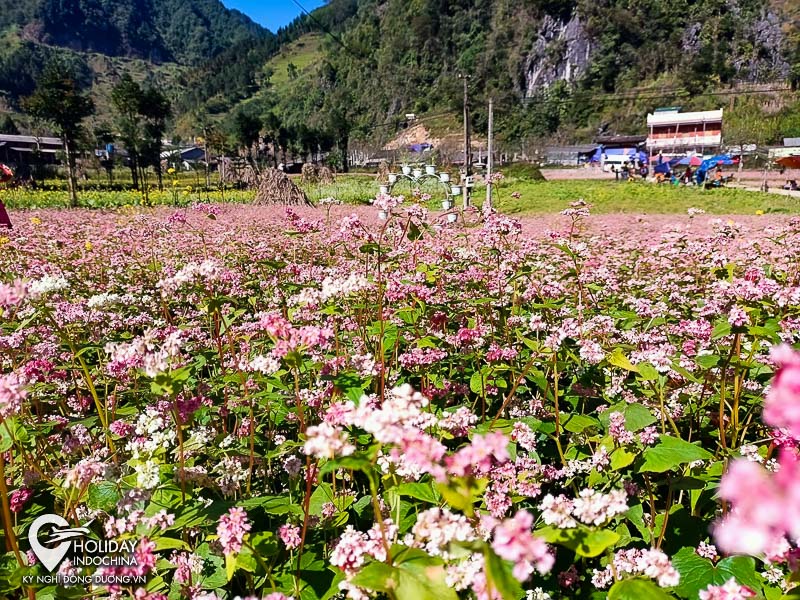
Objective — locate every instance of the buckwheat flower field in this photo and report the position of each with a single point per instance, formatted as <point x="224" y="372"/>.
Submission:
<point x="318" y="404"/>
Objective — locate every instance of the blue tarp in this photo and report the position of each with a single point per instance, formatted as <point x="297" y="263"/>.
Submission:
<point x="662" y="168"/>
<point x="710" y="163"/>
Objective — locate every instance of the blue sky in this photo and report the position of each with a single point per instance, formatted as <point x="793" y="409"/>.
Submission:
<point x="272" y="14"/>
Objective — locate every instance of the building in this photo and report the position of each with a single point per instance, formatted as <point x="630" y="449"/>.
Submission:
<point x="567" y="156"/>
<point x="623" y="142"/>
<point x="190" y="154"/>
<point x="19" y="150"/>
<point x="675" y="133"/>
<point x="791" y="147"/>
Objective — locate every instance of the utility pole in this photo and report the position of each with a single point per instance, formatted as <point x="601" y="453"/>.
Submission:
<point x="489" y="159"/>
<point x="467" y="147"/>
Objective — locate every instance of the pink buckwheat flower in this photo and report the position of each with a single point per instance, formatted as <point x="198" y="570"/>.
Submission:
<point x="782" y="404"/>
<point x="290" y="535"/>
<point x="730" y="590"/>
<point x="514" y="541"/>
<point x="231" y="530"/>
<point x="326" y="441"/>
<point x="19" y="498"/>
<point x="11" y="395"/>
<point x="765" y="505"/>
<point x="616" y="427"/>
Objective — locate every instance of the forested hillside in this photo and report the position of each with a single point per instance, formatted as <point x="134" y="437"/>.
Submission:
<point x="563" y="68"/>
<point x="157" y="30"/>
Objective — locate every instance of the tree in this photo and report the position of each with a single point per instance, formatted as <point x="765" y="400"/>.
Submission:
<point x="155" y="109"/>
<point x="7" y="125"/>
<point x="747" y="124"/>
<point x="247" y="131"/>
<point x="58" y="100"/>
<point x="125" y="98"/>
<point x="142" y="120"/>
<point x="103" y="138"/>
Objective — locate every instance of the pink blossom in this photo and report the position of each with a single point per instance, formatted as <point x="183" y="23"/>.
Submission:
<point x="616" y="428"/>
<point x="764" y="505"/>
<point x="19" y="498"/>
<point x="480" y="455"/>
<point x="513" y="541"/>
<point x="326" y="441"/>
<point x="12" y="393"/>
<point x="231" y="530"/>
<point x="730" y="590"/>
<point x="782" y="404"/>
<point x="290" y="536"/>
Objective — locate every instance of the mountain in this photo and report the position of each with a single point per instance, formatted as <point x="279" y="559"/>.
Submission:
<point x="556" y="69"/>
<point x="562" y="68"/>
<point x="186" y="32"/>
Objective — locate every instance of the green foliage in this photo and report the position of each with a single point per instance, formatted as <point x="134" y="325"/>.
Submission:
<point x="58" y="101"/>
<point x="697" y="573"/>
<point x="670" y="453"/>
<point x="158" y="30"/>
<point x="141" y="117"/>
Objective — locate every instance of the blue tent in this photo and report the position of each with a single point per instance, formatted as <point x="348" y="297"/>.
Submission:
<point x="662" y="168"/>
<point x="710" y="163"/>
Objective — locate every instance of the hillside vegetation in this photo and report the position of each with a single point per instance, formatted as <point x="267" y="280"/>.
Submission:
<point x="556" y="69"/>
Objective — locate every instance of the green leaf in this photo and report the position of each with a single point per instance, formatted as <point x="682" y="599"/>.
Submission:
<point x="420" y="491"/>
<point x="618" y="359"/>
<point x="377" y="576"/>
<point x="706" y="361"/>
<point x="103" y="496"/>
<point x="499" y="574"/>
<point x="167" y="543"/>
<point x="477" y="383"/>
<point x="721" y="329"/>
<point x="273" y="505"/>
<point x="647" y="372"/>
<point x="422" y="577"/>
<point x="621" y="458"/>
<point x="582" y="540"/>
<point x="462" y="493"/>
<point x="671" y="452"/>
<point x="637" y="416"/>
<point x="230" y="566"/>
<point x="6" y="439"/>
<point x="637" y="589"/>
<point x="697" y="573"/>
<point x="577" y="423"/>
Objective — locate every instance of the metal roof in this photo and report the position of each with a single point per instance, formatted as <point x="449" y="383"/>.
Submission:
<point x="29" y="139"/>
<point x="625" y="140"/>
<point x="678" y="118"/>
<point x="580" y="148"/>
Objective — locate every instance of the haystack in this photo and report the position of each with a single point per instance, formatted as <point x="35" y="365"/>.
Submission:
<point x="309" y="173"/>
<point x="238" y="173"/>
<point x="383" y="172"/>
<point x="325" y="176"/>
<point x="277" y="188"/>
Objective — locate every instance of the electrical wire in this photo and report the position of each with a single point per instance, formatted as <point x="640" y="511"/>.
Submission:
<point x="335" y="37"/>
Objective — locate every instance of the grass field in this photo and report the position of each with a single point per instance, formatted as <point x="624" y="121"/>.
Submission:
<point x="302" y="53"/>
<point x="513" y="196"/>
<point x="617" y="197"/>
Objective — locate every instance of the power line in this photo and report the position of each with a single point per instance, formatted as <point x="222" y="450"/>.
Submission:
<point x="329" y="32"/>
<point x="416" y="120"/>
<point x="664" y="94"/>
